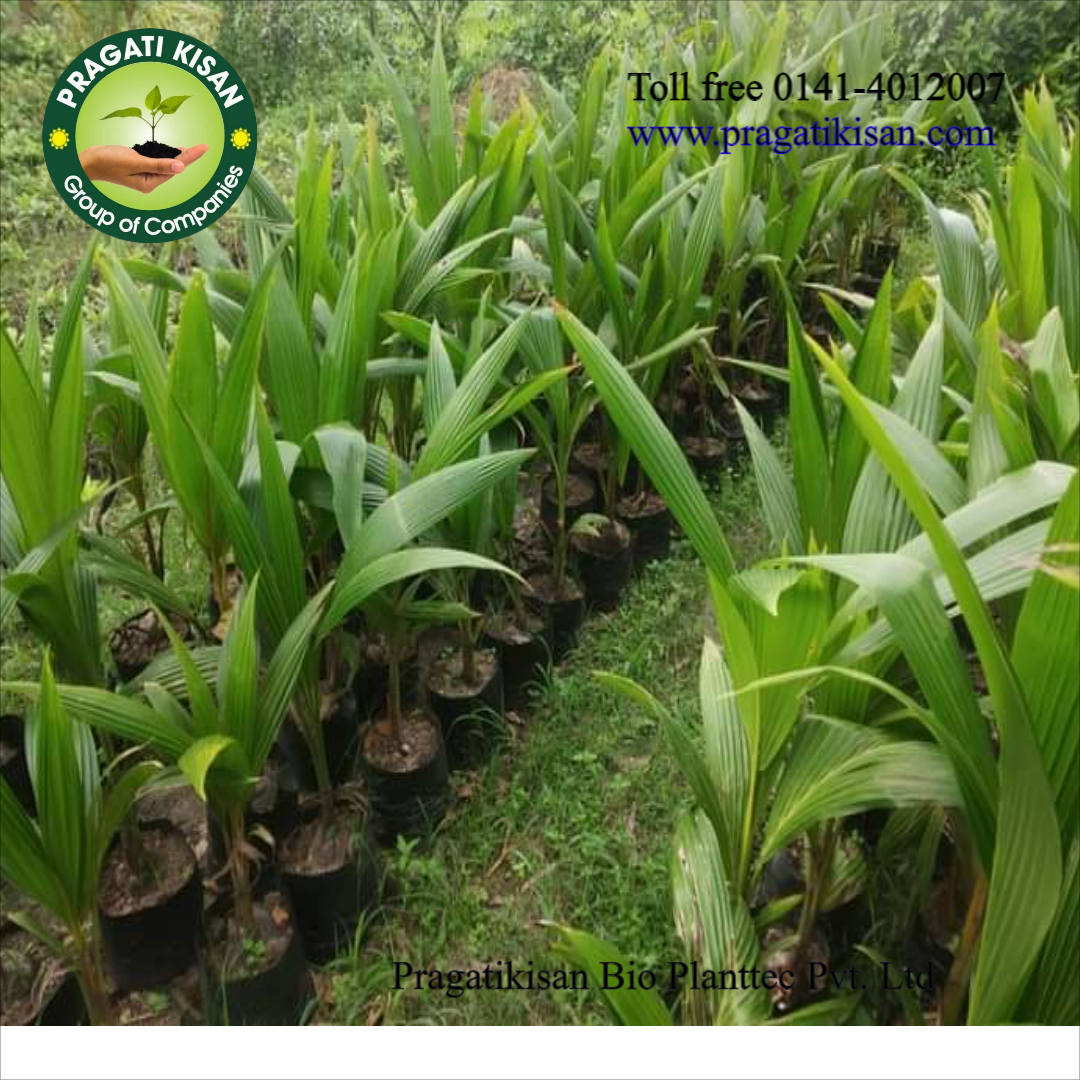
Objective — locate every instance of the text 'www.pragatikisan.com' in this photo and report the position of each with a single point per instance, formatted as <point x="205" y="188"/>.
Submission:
<point x="783" y="139"/>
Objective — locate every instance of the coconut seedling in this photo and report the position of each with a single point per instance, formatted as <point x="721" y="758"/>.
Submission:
<point x="45" y="420"/>
<point x="157" y="107"/>
<point x="388" y="276"/>
<point x="1030" y="678"/>
<point x="55" y="857"/>
<point x="119" y="436"/>
<point x="564" y="496"/>
<point x="403" y="739"/>
<point x="1038" y="188"/>
<point x="55" y="566"/>
<point x="458" y="377"/>
<point x="467" y="679"/>
<point x="635" y="272"/>
<point x="491" y="168"/>
<point x="268" y="531"/>
<point x="876" y="454"/>
<point x="403" y="752"/>
<point x="714" y="900"/>
<point x="220" y="740"/>
<point x="191" y="398"/>
<point x="409" y="503"/>
<point x="118" y="425"/>
<point x="43" y="434"/>
<point x="380" y="551"/>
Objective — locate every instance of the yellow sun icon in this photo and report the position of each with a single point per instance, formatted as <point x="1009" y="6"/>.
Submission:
<point x="241" y="138"/>
<point x="58" y="138"/>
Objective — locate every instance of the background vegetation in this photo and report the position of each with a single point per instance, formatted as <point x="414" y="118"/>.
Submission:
<point x="281" y="48"/>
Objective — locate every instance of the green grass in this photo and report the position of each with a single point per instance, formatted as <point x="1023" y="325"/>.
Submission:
<point x="572" y="824"/>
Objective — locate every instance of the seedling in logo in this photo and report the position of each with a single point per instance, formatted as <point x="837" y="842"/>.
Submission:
<point x="158" y="108"/>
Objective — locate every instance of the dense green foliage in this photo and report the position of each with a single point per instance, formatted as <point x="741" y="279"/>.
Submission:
<point x="366" y="409"/>
<point x="1039" y="40"/>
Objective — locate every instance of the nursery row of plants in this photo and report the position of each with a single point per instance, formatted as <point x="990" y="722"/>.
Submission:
<point x="417" y="427"/>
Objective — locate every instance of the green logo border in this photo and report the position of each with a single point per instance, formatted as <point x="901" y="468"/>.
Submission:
<point x="63" y="163"/>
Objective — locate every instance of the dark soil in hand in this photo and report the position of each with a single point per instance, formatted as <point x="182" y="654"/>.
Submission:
<point x="419" y="744"/>
<point x="171" y="864"/>
<point x="447" y="676"/>
<point x="156" y="150"/>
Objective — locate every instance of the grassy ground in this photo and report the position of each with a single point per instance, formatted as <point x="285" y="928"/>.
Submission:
<point x="571" y="825"/>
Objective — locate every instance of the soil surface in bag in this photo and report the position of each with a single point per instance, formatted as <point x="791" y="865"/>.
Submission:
<point x="123" y="891"/>
<point x="419" y="745"/>
<point x="447" y="677"/>
<point x="316" y="848"/>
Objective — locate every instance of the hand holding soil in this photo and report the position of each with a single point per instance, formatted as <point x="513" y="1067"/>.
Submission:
<point x="125" y="166"/>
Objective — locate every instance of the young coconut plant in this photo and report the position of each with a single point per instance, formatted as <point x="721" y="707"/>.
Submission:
<point x="55" y="857"/>
<point x="119" y="435"/>
<point x="52" y="567"/>
<point x="403" y="749"/>
<point x="492" y="161"/>
<point x="514" y="639"/>
<point x="357" y="271"/>
<point x="464" y="683"/>
<point x="220" y="740"/>
<point x="119" y="440"/>
<point x="192" y="398"/>
<point x="1022" y="847"/>
<point x="436" y="486"/>
<point x="443" y="484"/>
<point x="267" y="531"/>
<point x="1034" y="690"/>
<point x="1038" y="192"/>
<point x="379" y="554"/>
<point x="43" y="424"/>
<point x="636" y="276"/>
<point x="649" y="330"/>
<point x="834" y="768"/>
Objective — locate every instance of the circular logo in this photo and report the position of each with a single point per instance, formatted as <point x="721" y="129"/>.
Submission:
<point x="149" y="135"/>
